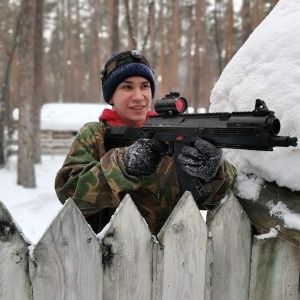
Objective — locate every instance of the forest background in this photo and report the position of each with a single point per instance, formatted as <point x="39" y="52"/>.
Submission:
<point x="52" y="51"/>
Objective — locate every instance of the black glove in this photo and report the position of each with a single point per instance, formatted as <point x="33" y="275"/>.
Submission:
<point x="203" y="160"/>
<point x="143" y="157"/>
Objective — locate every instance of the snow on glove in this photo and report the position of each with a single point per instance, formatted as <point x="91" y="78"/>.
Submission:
<point x="203" y="160"/>
<point x="143" y="157"/>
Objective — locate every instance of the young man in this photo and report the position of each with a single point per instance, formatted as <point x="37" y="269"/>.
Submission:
<point x="97" y="172"/>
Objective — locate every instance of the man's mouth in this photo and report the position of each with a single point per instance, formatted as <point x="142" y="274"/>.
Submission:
<point x="137" y="107"/>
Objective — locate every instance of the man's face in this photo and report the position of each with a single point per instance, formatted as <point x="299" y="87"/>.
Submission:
<point x="132" y="100"/>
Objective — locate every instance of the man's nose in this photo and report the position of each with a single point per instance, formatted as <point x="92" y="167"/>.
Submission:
<point x="138" y="93"/>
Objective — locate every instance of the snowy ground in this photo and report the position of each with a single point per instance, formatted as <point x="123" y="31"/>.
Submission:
<point x="32" y="209"/>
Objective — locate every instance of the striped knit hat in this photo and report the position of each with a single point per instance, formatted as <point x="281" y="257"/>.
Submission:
<point x="122" y="65"/>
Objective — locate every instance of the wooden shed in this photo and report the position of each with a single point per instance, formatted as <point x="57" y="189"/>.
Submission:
<point x="60" y="123"/>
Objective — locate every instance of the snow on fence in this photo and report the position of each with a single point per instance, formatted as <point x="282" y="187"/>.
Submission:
<point x="188" y="259"/>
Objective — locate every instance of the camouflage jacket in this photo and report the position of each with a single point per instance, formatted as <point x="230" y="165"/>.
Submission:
<point x="97" y="180"/>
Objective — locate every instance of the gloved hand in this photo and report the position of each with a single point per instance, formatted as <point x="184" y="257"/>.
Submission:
<point x="203" y="160"/>
<point x="143" y="157"/>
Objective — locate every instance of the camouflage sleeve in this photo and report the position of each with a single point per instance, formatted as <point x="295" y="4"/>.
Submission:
<point x="86" y="172"/>
<point x="223" y="181"/>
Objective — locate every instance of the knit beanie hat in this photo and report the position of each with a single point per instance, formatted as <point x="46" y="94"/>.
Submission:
<point x="122" y="65"/>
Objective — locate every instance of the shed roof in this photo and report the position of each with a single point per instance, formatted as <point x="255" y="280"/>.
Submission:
<point x="69" y="116"/>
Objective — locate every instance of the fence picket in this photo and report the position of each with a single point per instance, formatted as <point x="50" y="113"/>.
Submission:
<point x="231" y="231"/>
<point x="67" y="259"/>
<point x="127" y="255"/>
<point x="274" y="270"/>
<point x="180" y="256"/>
<point x="209" y="267"/>
<point x="14" y="280"/>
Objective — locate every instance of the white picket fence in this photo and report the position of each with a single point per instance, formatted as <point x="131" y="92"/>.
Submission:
<point x="188" y="259"/>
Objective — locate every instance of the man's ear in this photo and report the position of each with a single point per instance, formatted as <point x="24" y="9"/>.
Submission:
<point x="111" y="102"/>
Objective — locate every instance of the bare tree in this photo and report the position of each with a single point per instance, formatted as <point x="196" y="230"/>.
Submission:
<point x="113" y="12"/>
<point x="229" y="33"/>
<point x="188" y="86"/>
<point x="162" y="85"/>
<point x="132" y="24"/>
<point x="68" y="58"/>
<point x="205" y="62"/>
<point x="258" y="13"/>
<point x="26" y="174"/>
<point x="38" y="77"/>
<point x="152" y="44"/>
<point x="6" y="57"/>
<point x="94" y="54"/>
<point x="78" y="60"/>
<point x="218" y="34"/>
<point x="132" y="34"/>
<point x="246" y="20"/>
<point x="196" y="58"/>
<point x="174" y="46"/>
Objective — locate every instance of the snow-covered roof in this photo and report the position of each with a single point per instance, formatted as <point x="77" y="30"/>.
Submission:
<point x="69" y="116"/>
